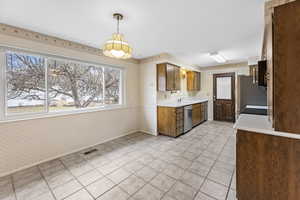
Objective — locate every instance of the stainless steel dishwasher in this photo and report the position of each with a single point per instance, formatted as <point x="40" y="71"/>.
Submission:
<point x="188" y="123"/>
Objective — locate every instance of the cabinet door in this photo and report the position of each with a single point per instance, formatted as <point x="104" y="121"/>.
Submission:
<point x="190" y="80"/>
<point x="196" y="114"/>
<point x="198" y="81"/>
<point x="161" y="77"/>
<point x="203" y="107"/>
<point x="176" y="78"/>
<point x="167" y="122"/>
<point x="170" y="77"/>
<point x="179" y="121"/>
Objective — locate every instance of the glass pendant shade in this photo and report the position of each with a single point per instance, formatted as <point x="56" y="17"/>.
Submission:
<point x="117" y="47"/>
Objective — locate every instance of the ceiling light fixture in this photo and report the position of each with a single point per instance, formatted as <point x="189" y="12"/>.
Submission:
<point x="218" y="57"/>
<point x="116" y="47"/>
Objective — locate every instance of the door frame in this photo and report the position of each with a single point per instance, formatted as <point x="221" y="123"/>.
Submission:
<point x="232" y="74"/>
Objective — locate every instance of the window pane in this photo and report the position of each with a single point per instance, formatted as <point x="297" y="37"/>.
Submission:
<point x="112" y="85"/>
<point x="25" y="81"/>
<point x="74" y="85"/>
<point x="224" y="88"/>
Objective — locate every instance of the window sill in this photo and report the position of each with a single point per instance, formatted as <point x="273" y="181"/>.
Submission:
<point x="61" y="113"/>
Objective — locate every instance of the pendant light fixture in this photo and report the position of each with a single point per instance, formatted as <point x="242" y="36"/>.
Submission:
<point x="116" y="47"/>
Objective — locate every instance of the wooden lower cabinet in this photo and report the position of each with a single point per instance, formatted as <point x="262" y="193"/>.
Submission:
<point x="199" y="113"/>
<point x="268" y="167"/>
<point x="170" y="121"/>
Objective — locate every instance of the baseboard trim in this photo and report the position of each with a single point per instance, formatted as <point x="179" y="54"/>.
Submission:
<point x="148" y="132"/>
<point x="61" y="155"/>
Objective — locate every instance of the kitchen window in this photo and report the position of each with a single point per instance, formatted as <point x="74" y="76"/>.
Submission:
<point x="41" y="85"/>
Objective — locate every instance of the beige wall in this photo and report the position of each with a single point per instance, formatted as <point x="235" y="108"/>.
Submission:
<point x="25" y="143"/>
<point x="207" y="81"/>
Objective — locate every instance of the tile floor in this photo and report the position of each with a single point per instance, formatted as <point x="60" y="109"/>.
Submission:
<point x="199" y="165"/>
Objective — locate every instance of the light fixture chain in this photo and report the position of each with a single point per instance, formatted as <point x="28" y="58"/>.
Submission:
<point x="118" y="25"/>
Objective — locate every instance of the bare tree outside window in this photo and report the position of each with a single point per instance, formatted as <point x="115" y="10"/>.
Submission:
<point x="70" y="84"/>
<point x="25" y="78"/>
<point x="112" y="85"/>
<point x="74" y="85"/>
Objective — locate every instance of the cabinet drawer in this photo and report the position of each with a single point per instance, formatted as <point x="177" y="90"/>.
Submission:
<point x="197" y="106"/>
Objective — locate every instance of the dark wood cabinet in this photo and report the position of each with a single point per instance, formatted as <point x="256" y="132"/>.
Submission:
<point x="286" y="51"/>
<point x="170" y="121"/>
<point x="168" y="77"/>
<point x="193" y="81"/>
<point x="267" y="167"/>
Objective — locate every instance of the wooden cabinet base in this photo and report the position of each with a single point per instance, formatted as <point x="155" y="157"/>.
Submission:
<point x="268" y="167"/>
<point x="170" y="121"/>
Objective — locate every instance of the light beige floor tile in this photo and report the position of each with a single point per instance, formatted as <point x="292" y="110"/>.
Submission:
<point x="190" y="155"/>
<point x="158" y="165"/>
<point x="215" y="190"/>
<point x="114" y="194"/>
<point x="80" y="195"/>
<point x="45" y="196"/>
<point x="118" y="175"/>
<point x="132" y="184"/>
<point x="231" y="195"/>
<point x="148" y="192"/>
<point x="31" y="190"/>
<point x="173" y="171"/>
<point x="108" y="168"/>
<point x="163" y="182"/>
<point x="199" y="168"/>
<point x="210" y="146"/>
<point x="59" y="178"/>
<point x="67" y="189"/>
<point x="166" y="197"/>
<point x="6" y="190"/>
<point x="181" y="191"/>
<point x="192" y="179"/>
<point x="146" y="173"/>
<point x="202" y="196"/>
<point x="181" y="162"/>
<point x="205" y="160"/>
<point x="79" y="169"/>
<point x="99" y="187"/>
<point x="219" y="177"/>
<point x="133" y="166"/>
<point x="90" y="177"/>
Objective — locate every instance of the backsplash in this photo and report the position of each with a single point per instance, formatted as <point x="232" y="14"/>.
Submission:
<point x="183" y="93"/>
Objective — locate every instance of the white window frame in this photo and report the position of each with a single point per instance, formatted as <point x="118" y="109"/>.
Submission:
<point x="27" y="116"/>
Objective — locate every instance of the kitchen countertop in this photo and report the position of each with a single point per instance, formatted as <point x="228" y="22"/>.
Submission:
<point x="182" y="103"/>
<point x="255" y="110"/>
<point x="260" y="124"/>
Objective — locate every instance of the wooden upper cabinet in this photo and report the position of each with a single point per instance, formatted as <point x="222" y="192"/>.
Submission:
<point x="168" y="77"/>
<point x="177" y="82"/>
<point x="193" y="81"/>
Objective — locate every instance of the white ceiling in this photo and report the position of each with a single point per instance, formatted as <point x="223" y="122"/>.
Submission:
<point x="188" y="29"/>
